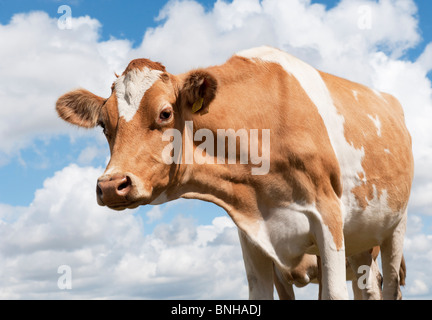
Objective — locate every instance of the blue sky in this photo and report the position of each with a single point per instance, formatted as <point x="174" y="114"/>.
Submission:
<point x="38" y="152"/>
<point x="128" y="19"/>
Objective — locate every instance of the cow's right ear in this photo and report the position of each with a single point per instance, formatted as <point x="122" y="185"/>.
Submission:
<point x="80" y="107"/>
<point x="199" y="89"/>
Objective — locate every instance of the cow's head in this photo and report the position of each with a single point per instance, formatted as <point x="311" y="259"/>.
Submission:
<point x="145" y="101"/>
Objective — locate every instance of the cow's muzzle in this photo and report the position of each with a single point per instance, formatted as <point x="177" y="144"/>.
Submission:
<point x="114" y="191"/>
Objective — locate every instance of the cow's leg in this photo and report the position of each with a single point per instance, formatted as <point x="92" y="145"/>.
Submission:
<point x="366" y="282"/>
<point x="285" y="290"/>
<point x="332" y="254"/>
<point x="319" y="277"/>
<point x="259" y="270"/>
<point x="391" y="255"/>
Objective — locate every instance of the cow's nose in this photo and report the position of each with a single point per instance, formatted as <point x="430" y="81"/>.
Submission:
<point x="113" y="189"/>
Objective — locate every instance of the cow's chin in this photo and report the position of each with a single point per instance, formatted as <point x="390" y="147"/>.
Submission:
<point x="125" y="204"/>
<point x="122" y="207"/>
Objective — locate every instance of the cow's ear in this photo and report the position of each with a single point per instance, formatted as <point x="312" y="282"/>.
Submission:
<point x="199" y="89"/>
<point x="80" y="107"/>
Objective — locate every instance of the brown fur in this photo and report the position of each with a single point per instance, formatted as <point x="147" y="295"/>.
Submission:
<point x="141" y="63"/>
<point x="80" y="107"/>
<point x="199" y="84"/>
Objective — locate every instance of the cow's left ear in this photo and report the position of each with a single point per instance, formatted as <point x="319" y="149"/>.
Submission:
<point x="199" y="89"/>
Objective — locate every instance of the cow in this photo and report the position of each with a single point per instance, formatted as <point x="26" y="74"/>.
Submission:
<point x="336" y="159"/>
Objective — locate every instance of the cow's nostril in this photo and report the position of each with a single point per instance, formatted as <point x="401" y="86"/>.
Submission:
<point x="112" y="190"/>
<point x="126" y="183"/>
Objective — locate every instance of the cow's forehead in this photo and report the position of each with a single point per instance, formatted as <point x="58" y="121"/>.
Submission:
<point x="130" y="87"/>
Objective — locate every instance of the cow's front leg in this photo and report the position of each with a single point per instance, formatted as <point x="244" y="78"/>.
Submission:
<point x="328" y="234"/>
<point x="284" y="289"/>
<point x="259" y="270"/>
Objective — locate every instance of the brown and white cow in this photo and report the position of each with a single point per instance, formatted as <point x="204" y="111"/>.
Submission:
<point x="339" y="171"/>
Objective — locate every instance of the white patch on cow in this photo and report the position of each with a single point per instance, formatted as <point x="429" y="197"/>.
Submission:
<point x="350" y="158"/>
<point x="377" y="216"/>
<point x="377" y="92"/>
<point x="355" y="93"/>
<point x="293" y="225"/>
<point x="377" y="124"/>
<point x="130" y="90"/>
<point x="387" y="151"/>
<point x="285" y="225"/>
<point x="379" y="95"/>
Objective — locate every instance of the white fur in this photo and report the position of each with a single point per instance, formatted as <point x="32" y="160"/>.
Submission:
<point x="377" y="124"/>
<point x="283" y="238"/>
<point x="130" y="90"/>
<point x="280" y="240"/>
<point x="285" y="225"/>
<point x="355" y="93"/>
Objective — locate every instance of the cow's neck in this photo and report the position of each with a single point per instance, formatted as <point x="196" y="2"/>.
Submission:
<point x="222" y="186"/>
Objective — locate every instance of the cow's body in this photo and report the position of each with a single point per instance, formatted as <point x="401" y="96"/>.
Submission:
<point x="340" y="163"/>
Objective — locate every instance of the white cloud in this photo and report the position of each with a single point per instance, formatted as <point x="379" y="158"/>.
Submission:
<point x="39" y="62"/>
<point x="108" y="252"/>
<point x="90" y="153"/>
<point x="418" y="288"/>
<point x="418" y="255"/>
<point x="155" y="213"/>
<point x="425" y="60"/>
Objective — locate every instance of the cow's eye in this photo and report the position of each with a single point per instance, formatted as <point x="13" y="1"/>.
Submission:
<point x="165" y="114"/>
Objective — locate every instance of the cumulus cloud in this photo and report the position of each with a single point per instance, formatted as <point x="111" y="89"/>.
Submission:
<point x="425" y="60"/>
<point x="108" y="252"/>
<point x="39" y="62"/>
<point x="418" y="254"/>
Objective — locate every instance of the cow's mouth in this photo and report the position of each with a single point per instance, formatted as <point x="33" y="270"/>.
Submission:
<point x="121" y="206"/>
<point x="121" y="191"/>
